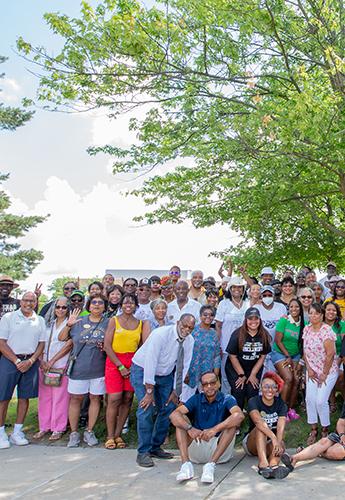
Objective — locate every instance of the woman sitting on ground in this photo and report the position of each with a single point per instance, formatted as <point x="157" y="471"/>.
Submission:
<point x="286" y="353"/>
<point x="122" y="339"/>
<point x="267" y="413"/>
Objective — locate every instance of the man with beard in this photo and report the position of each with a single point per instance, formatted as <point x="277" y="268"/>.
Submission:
<point x="7" y="303"/>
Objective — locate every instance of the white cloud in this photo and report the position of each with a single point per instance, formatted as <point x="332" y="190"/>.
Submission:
<point x="10" y="90"/>
<point x="85" y="234"/>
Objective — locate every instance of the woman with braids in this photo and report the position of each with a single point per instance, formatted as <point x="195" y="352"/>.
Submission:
<point x="286" y="353"/>
<point x="247" y="350"/>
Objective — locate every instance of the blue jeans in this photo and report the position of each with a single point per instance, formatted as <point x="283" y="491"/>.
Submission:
<point x="153" y="423"/>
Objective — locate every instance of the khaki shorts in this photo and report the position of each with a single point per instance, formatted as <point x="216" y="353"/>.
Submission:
<point x="202" y="451"/>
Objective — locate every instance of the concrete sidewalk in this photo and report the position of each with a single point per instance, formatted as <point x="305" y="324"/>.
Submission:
<point x="57" y="472"/>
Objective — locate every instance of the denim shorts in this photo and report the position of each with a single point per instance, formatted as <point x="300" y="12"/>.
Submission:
<point x="276" y="357"/>
<point x="11" y="377"/>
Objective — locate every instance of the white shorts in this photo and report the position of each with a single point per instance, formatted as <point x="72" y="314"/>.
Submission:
<point x="94" y="386"/>
<point x="202" y="451"/>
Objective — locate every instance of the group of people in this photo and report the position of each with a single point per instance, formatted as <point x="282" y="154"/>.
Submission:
<point x="198" y="356"/>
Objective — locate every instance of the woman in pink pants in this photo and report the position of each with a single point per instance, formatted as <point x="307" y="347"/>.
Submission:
<point x="53" y="401"/>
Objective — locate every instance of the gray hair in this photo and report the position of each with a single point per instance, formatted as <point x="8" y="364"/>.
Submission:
<point x="197" y="271"/>
<point x="156" y="303"/>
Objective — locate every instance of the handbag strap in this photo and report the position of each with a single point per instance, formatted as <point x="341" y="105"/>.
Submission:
<point x="83" y="345"/>
<point x="50" y="339"/>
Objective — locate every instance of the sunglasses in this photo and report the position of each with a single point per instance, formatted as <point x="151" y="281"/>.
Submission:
<point x="130" y="284"/>
<point x="61" y="307"/>
<point x="77" y="299"/>
<point x="96" y="302"/>
<point x="340" y="286"/>
<point x="141" y="289"/>
<point x="306" y="297"/>
<point x="69" y="288"/>
<point x="274" y="387"/>
<point x="212" y="383"/>
<point x="174" y="273"/>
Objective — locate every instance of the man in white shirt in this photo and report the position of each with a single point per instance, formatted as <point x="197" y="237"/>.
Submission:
<point x="22" y="338"/>
<point x="183" y="304"/>
<point x="158" y="370"/>
<point x="144" y="310"/>
<point x="270" y="311"/>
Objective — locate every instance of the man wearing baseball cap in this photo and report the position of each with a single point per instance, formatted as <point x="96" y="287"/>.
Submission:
<point x="266" y="275"/>
<point x="144" y="310"/>
<point x="7" y="303"/>
<point x="331" y="269"/>
<point x="270" y="311"/>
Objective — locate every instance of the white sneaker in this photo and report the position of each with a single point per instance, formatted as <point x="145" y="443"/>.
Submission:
<point x="208" y="472"/>
<point x="4" y="441"/>
<point x="18" y="438"/>
<point x="186" y="472"/>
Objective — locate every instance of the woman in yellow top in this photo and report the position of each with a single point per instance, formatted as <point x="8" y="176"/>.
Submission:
<point x="122" y="339"/>
<point x="338" y="296"/>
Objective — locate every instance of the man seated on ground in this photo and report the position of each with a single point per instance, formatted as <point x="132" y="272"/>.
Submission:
<point x="206" y="427"/>
<point x="331" y="447"/>
<point x="267" y="413"/>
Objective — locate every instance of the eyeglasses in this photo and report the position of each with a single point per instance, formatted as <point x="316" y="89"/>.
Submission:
<point x="306" y="297"/>
<point x="69" y="288"/>
<point x="141" y="289"/>
<point x="77" y="299"/>
<point x="274" y="387"/>
<point x="29" y="301"/>
<point x="96" y="302"/>
<point x="61" y="307"/>
<point x="212" y="383"/>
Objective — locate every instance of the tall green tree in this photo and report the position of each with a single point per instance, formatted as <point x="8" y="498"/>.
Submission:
<point x="14" y="261"/>
<point x="252" y="90"/>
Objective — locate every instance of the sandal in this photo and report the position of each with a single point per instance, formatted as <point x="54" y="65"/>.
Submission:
<point x="39" y="434"/>
<point x="55" y="436"/>
<point x="333" y="407"/>
<point x="110" y="444"/>
<point x="280" y="472"/>
<point x="120" y="444"/>
<point x="287" y="461"/>
<point x="265" y="472"/>
<point x="312" y="437"/>
<point x="299" y="448"/>
<point x="324" y="432"/>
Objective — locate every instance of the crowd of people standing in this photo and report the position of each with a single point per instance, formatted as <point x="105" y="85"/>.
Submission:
<point x="197" y="355"/>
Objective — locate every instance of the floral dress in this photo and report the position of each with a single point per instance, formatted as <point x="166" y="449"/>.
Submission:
<point x="314" y="349"/>
<point x="206" y="354"/>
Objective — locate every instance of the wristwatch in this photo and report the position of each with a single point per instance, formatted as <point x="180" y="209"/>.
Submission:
<point x="149" y="391"/>
<point x="18" y="360"/>
<point x="189" y="427"/>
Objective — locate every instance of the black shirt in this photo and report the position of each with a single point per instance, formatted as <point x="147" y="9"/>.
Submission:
<point x="269" y="414"/>
<point x="253" y="348"/>
<point x="8" y="305"/>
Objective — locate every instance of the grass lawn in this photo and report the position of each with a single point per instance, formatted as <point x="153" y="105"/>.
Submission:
<point x="296" y="432"/>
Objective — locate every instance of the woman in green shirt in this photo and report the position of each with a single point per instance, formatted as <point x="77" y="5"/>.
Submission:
<point x="286" y="353"/>
<point x="332" y="317"/>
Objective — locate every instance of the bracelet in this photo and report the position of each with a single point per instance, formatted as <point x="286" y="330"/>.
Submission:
<point x="240" y="375"/>
<point x="301" y="362"/>
<point x="121" y="367"/>
<point x="31" y="361"/>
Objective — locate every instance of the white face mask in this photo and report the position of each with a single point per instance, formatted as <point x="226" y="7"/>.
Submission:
<point x="267" y="300"/>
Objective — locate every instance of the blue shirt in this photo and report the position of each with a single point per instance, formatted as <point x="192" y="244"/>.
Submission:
<point x="206" y="354"/>
<point x="204" y="415"/>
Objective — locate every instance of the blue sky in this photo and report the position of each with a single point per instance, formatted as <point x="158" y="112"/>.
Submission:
<point x="90" y="226"/>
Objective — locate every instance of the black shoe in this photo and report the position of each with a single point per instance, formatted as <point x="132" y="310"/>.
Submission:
<point x="144" y="460"/>
<point x="159" y="453"/>
<point x="265" y="472"/>
<point x="286" y="459"/>
<point x="280" y="472"/>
